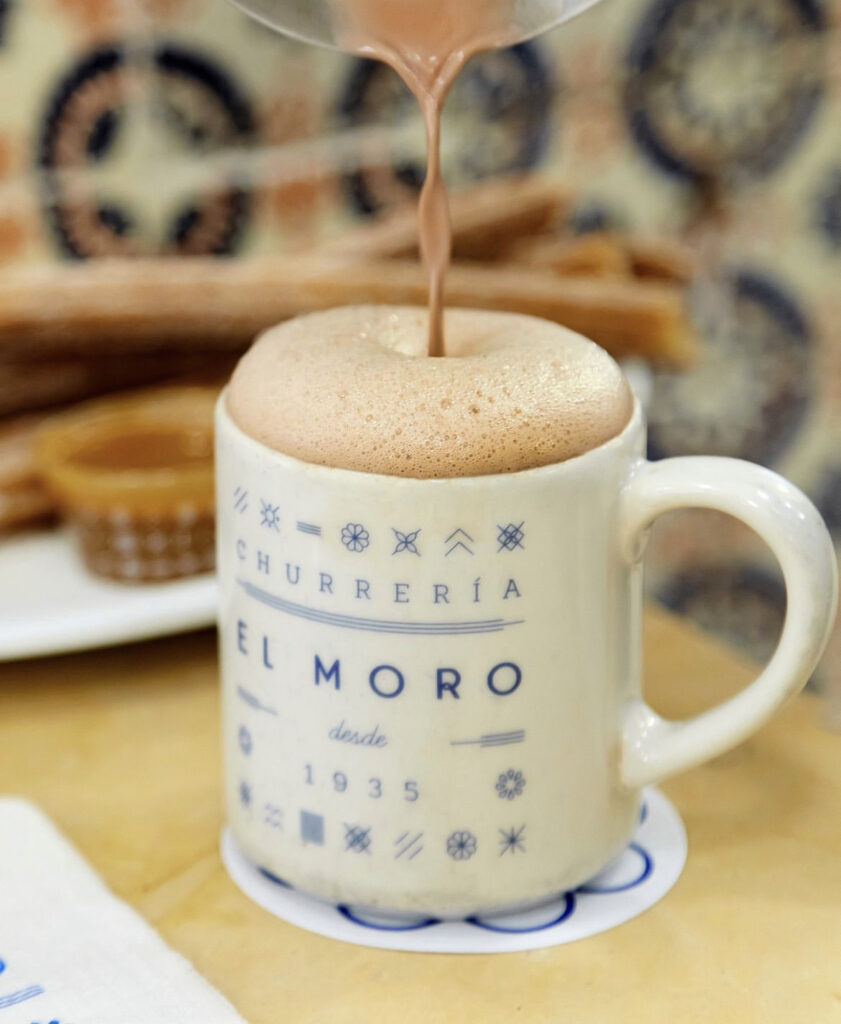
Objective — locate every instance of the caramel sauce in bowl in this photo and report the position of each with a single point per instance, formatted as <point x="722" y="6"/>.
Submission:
<point x="134" y="477"/>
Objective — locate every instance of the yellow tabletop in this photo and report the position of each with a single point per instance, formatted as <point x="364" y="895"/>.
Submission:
<point x="121" y="749"/>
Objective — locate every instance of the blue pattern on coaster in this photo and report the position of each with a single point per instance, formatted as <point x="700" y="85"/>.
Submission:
<point x="548" y="915"/>
<point x="504" y="923"/>
<point x="385" y="925"/>
<point x="635" y="880"/>
<point x="647" y="867"/>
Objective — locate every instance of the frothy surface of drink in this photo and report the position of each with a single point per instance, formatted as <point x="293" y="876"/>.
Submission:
<point x="352" y="388"/>
<point x="427" y="42"/>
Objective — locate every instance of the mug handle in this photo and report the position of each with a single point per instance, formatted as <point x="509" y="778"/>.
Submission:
<point x="654" y="748"/>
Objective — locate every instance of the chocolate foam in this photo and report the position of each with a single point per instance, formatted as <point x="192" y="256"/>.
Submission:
<point x="355" y="389"/>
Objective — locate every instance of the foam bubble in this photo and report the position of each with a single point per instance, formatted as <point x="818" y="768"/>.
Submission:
<point x="354" y="388"/>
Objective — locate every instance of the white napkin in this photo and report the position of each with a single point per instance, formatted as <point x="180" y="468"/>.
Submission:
<point x="71" y="953"/>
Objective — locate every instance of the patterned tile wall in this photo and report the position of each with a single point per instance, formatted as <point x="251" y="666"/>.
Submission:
<point x="143" y="126"/>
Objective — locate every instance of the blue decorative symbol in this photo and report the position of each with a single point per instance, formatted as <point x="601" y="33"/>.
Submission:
<point x="269" y="516"/>
<point x="312" y="828"/>
<point x="605" y="882"/>
<point x="273" y="816"/>
<point x="510" y="784"/>
<point x="510" y="536"/>
<point x="493" y="739"/>
<point x="246" y="744"/>
<point x="461" y="845"/>
<point x="555" y="913"/>
<point x="405" y="541"/>
<point x="408" y="844"/>
<point x="357" y="838"/>
<point x="245" y="794"/>
<point x="459" y="539"/>
<point x="385" y="924"/>
<point x="511" y="840"/>
<point x="274" y="879"/>
<point x="355" y="537"/>
<point x="240" y="500"/>
<point x="396" y="626"/>
<point x="253" y="701"/>
<point x="310" y="528"/>
<point x="21" y="996"/>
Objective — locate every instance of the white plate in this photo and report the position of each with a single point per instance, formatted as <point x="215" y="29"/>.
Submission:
<point x="50" y="604"/>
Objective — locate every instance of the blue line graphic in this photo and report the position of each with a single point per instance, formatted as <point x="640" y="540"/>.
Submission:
<point x="566" y="911"/>
<point x="310" y="528"/>
<point x="274" y="878"/>
<point x="254" y="702"/>
<point x="645" y="870"/>
<point x="377" y="625"/>
<point x="21" y="996"/>
<point x="493" y="739"/>
<point x="412" y="926"/>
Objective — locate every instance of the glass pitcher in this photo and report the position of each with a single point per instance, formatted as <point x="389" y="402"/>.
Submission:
<point x="314" y="20"/>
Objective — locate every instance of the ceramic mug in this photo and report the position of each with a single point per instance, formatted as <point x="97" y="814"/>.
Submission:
<point x="431" y="688"/>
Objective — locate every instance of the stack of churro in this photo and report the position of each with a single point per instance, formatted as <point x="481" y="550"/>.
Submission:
<point x="68" y="332"/>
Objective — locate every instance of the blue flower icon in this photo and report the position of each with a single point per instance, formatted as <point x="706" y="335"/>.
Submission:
<point x="355" y="537"/>
<point x="461" y="845"/>
<point x="406" y="541"/>
<point x="510" y="784"/>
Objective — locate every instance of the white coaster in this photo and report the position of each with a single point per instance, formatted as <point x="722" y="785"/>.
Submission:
<point x="636" y="880"/>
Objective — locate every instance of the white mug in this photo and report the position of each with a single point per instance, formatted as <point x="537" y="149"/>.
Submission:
<point x="431" y="688"/>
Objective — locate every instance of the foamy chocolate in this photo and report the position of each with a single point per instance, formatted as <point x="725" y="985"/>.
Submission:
<point x="354" y="388"/>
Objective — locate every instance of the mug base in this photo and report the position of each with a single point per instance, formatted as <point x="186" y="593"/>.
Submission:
<point x="637" y="879"/>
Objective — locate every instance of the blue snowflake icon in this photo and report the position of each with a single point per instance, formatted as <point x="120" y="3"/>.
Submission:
<point x="406" y="541"/>
<point x="510" y="536"/>
<point x="511" y="840"/>
<point x="269" y="516"/>
<point x="357" y="838"/>
<point x="461" y="845"/>
<point x="510" y="784"/>
<point x="355" y="537"/>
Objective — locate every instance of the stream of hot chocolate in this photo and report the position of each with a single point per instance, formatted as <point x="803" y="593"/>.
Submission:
<point x="427" y="42"/>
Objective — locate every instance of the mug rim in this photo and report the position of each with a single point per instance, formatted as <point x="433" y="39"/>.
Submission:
<point x="634" y="426"/>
